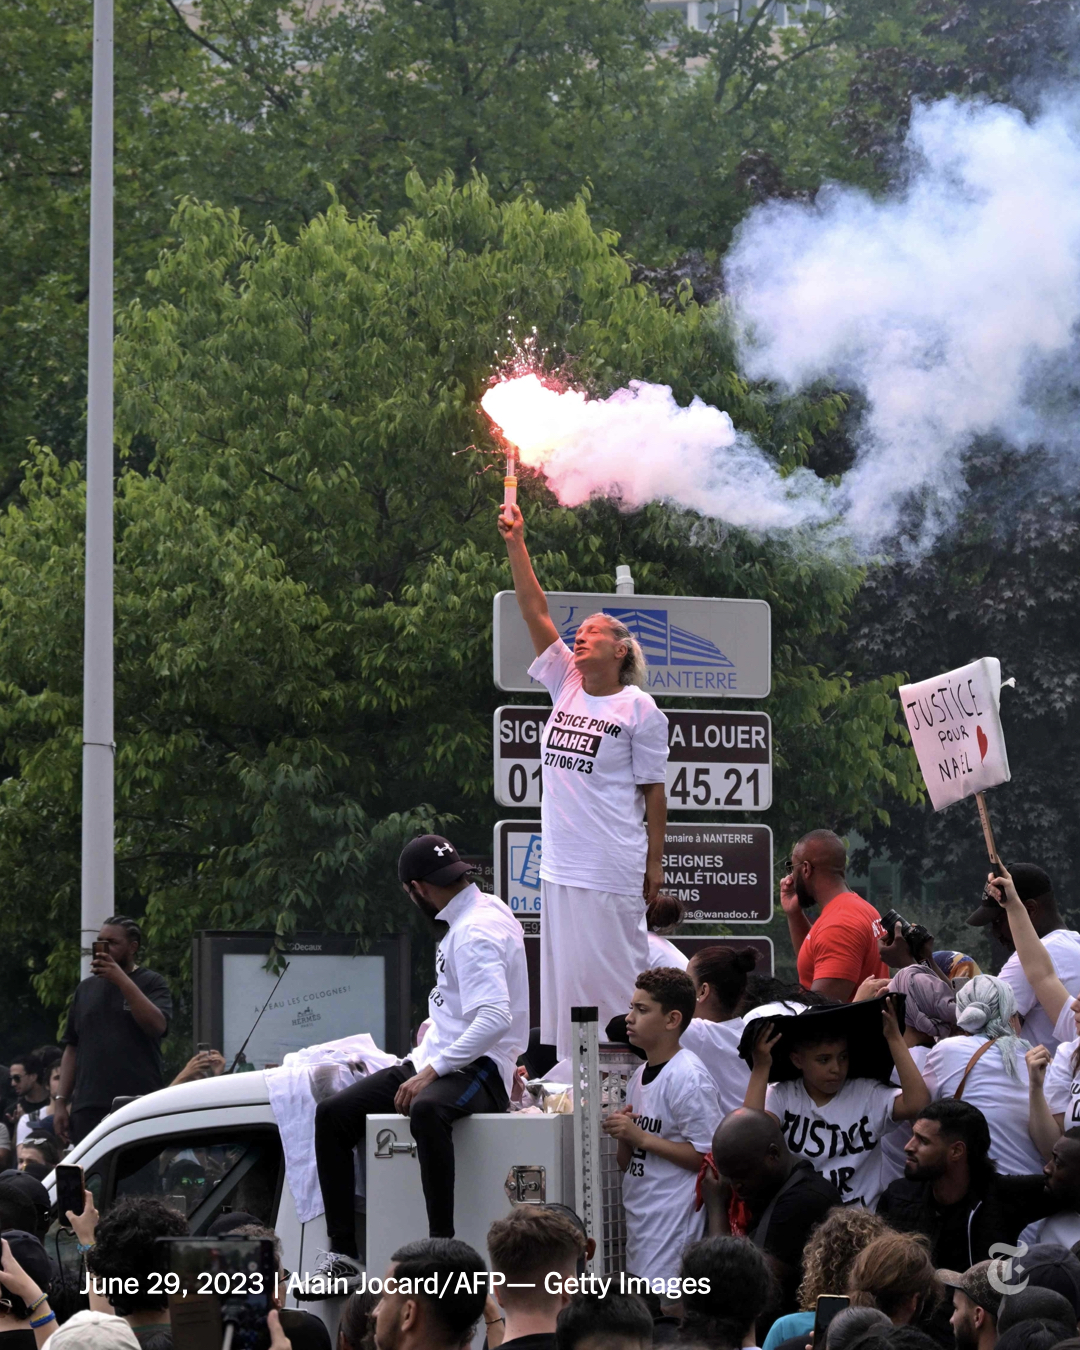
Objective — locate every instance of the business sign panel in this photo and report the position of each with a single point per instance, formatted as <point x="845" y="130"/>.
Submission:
<point x="517" y="735"/>
<point x="694" y="646"/>
<point x="717" y="761"/>
<point x="517" y="866"/>
<point x="722" y="873"/>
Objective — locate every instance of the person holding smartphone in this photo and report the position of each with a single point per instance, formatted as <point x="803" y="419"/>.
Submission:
<point x="112" y="1044"/>
<point x="27" y="1321"/>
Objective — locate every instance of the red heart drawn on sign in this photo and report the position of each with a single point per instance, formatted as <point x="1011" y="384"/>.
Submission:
<point x="984" y="744"/>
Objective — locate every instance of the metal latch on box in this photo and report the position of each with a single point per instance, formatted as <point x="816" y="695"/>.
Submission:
<point x="386" y="1145"/>
<point x="526" y="1181"/>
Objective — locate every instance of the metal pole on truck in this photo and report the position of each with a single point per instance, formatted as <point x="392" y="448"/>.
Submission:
<point x="98" y="748"/>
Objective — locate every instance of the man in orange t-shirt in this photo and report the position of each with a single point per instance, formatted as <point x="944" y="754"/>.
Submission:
<point x="840" y="949"/>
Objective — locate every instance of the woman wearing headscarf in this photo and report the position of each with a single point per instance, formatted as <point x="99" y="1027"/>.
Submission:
<point x="929" y="1016"/>
<point x="985" y="1067"/>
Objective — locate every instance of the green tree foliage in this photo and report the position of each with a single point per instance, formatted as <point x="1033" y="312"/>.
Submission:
<point x="272" y="109"/>
<point x="306" y="559"/>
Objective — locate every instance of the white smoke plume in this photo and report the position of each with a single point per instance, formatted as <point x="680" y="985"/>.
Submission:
<point x="950" y="304"/>
<point x="640" y="446"/>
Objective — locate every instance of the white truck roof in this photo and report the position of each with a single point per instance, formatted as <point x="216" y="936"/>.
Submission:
<point x="226" y="1090"/>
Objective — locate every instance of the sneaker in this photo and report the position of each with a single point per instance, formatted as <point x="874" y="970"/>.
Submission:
<point x="334" y="1276"/>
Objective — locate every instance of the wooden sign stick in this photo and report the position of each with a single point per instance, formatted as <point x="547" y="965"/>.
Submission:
<point x="988" y="832"/>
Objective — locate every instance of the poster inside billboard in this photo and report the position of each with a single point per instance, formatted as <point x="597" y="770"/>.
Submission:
<point x="320" y="998"/>
<point x="330" y="989"/>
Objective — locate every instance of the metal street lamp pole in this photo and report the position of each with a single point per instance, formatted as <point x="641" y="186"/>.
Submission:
<point x="98" y="749"/>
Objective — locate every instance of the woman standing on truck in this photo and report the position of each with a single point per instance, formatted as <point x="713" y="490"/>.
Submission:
<point x="604" y="755"/>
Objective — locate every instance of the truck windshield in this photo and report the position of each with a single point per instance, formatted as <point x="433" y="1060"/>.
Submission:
<point x="202" y="1176"/>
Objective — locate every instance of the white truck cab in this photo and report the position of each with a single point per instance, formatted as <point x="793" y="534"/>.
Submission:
<point x="212" y="1146"/>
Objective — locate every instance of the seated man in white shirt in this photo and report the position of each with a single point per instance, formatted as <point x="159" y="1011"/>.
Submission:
<point x="1062" y="1174"/>
<point x="479" y="1014"/>
<point x="1036" y="892"/>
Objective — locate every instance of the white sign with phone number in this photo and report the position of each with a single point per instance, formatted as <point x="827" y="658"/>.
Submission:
<point x="721" y="872"/>
<point x="717" y="760"/>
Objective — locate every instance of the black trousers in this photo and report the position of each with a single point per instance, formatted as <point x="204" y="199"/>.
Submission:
<point x="341" y="1123"/>
<point x="85" y="1120"/>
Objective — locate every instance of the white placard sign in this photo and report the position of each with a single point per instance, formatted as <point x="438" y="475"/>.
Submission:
<point x="955" y="725"/>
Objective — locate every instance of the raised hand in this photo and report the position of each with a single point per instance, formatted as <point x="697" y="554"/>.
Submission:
<point x="511" y="522"/>
<point x="1001" y="888"/>
<point x="890" y="1023"/>
<point x="1038" y="1061"/>
<point x="766" y="1038"/>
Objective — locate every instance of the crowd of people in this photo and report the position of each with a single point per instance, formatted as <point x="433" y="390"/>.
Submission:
<point x="884" y="1155"/>
<point x="903" y="1148"/>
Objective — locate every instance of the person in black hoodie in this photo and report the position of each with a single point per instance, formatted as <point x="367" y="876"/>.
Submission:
<point x="952" y="1192"/>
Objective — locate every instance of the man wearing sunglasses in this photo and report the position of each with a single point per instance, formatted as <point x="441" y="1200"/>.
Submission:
<point x="26" y="1077"/>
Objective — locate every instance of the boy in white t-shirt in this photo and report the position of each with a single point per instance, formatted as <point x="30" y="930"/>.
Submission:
<point x="834" y="1121"/>
<point x="664" y="1131"/>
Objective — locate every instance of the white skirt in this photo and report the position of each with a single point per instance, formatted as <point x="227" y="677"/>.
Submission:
<point x="593" y="946"/>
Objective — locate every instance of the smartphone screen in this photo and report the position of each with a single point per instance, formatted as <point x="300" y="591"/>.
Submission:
<point x="826" y="1308"/>
<point x="238" y="1273"/>
<point x="69" y="1190"/>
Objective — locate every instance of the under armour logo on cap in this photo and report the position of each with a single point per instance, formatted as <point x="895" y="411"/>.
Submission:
<point x="433" y="859"/>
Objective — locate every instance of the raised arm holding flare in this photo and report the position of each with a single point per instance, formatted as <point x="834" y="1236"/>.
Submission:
<point x="530" y="594"/>
<point x="604" y="760"/>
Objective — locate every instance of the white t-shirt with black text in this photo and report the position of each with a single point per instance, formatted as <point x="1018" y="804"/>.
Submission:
<point x="1061" y="1087"/>
<point x="679" y="1102"/>
<point x="716" y="1044"/>
<point x="480" y="963"/>
<point x="595" y="755"/>
<point x="842" y="1138"/>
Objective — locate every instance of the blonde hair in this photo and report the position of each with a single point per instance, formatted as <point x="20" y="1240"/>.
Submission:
<point x="633" y="668"/>
<point x="834" y="1244"/>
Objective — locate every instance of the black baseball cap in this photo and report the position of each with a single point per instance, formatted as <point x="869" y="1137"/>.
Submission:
<point x="30" y="1254"/>
<point x="433" y="859"/>
<point x="1031" y="883"/>
<point x="1035" y="1301"/>
<point x="24" y="1202"/>
<point x="1048" y="1266"/>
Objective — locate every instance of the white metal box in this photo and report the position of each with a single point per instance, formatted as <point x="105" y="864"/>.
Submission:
<point x="533" y="1153"/>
